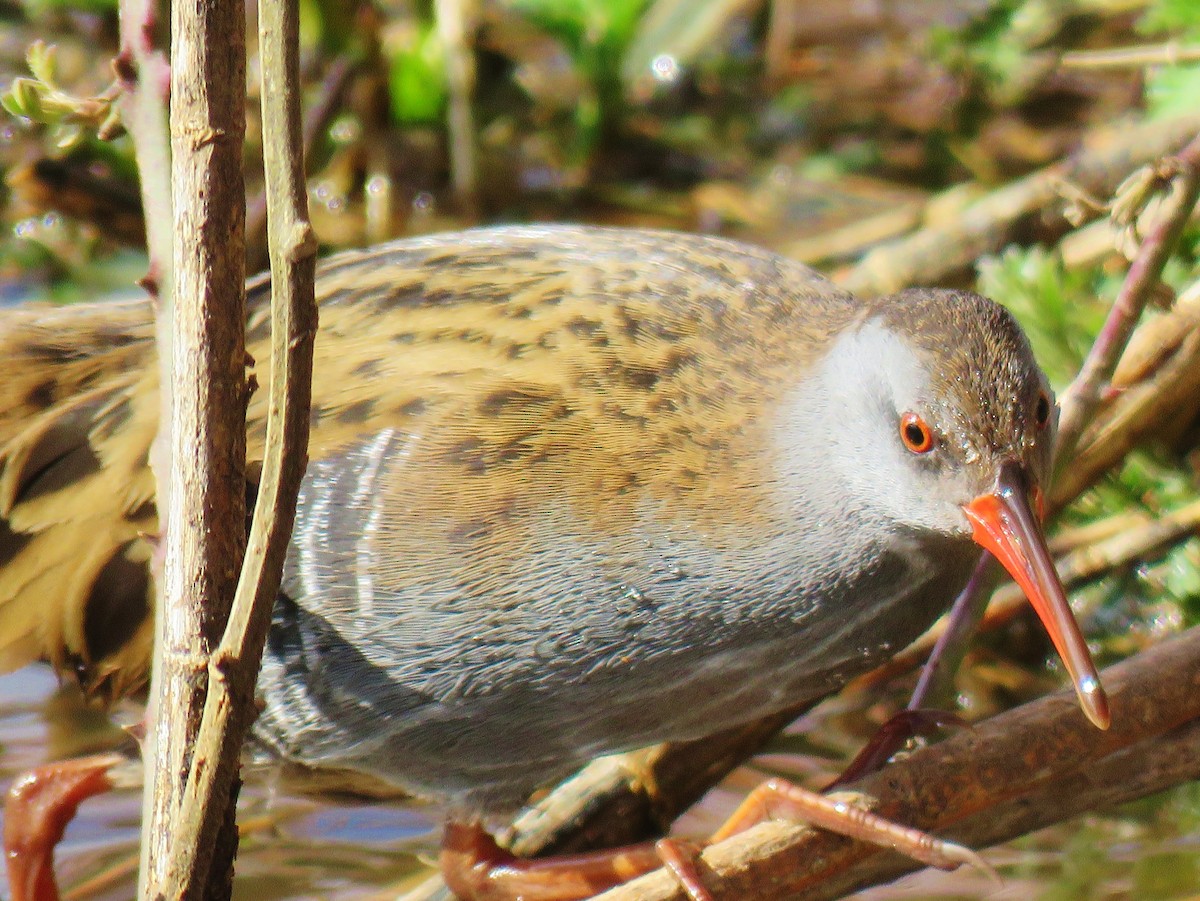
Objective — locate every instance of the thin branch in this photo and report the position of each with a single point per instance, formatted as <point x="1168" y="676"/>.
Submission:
<point x="1139" y="413"/>
<point x="1083" y="397"/>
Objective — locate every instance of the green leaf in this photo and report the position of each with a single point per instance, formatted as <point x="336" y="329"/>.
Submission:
<point x="28" y="96"/>
<point x="1172" y="91"/>
<point x="417" y="79"/>
<point x="42" y="61"/>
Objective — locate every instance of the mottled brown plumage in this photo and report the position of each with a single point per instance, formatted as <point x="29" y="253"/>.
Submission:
<point x="401" y="331"/>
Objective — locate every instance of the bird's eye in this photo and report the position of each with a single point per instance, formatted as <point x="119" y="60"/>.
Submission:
<point x="1042" y="411"/>
<point x="916" y="433"/>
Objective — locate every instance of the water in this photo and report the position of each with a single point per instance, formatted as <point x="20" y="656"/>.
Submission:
<point x="293" y="847"/>
<point x="296" y="847"/>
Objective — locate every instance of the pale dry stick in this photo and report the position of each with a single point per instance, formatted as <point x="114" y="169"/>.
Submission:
<point x="204" y="513"/>
<point x="1014" y="772"/>
<point x="1141" y="413"/>
<point x="986" y="225"/>
<point x="453" y="18"/>
<point x="1156" y="339"/>
<point x="233" y="668"/>
<point x="1171" y="53"/>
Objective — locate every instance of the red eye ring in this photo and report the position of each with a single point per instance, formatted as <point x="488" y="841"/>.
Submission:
<point x="916" y="433"/>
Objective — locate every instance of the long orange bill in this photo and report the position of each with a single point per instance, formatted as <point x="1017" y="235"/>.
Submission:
<point x="1005" y="524"/>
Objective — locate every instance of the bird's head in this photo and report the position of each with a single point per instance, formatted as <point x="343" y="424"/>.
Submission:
<point x="950" y="429"/>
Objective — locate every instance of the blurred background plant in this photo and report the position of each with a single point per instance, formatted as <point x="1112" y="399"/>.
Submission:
<point x="819" y="128"/>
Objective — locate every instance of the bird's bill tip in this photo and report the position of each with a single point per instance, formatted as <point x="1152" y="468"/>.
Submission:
<point x="1004" y="524"/>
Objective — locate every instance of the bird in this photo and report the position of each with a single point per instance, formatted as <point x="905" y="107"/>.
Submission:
<point x="572" y="490"/>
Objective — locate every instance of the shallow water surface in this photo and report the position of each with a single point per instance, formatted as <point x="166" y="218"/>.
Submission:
<point x="299" y="848"/>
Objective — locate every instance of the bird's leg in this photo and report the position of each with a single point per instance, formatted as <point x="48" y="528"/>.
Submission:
<point x="890" y="738"/>
<point x="477" y="869"/>
<point x="936" y="678"/>
<point x="40" y="805"/>
<point x="778" y="799"/>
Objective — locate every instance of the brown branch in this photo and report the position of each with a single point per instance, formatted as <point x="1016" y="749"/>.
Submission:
<point x="1018" y="771"/>
<point x="1143" y="769"/>
<point x="1171" y="53"/>
<point x="229" y="705"/>
<point x="205" y="513"/>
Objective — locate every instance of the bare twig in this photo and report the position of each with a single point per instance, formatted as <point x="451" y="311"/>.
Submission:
<point x="205" y="512"/>
<point x="1083" y="396"/>
<point x="1171" y="53"/>
<point x="1139" y="413"/>
<point x="950" y="647"/>
<point x="452" y="23"/>
<point x="332" y="96"/>
<point x="1157" y="339"/>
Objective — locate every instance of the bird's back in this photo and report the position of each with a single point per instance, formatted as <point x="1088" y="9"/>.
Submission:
<point x="615" y="363"/>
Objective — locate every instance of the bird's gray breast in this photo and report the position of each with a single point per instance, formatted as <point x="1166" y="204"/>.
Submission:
<point x="477" y="690"/>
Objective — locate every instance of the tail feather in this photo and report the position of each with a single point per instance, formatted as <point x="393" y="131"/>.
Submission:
<point x="76" y="498"/>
